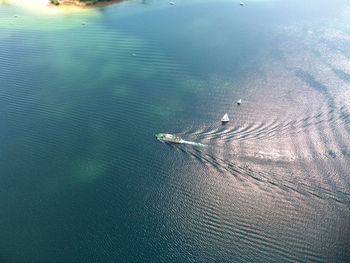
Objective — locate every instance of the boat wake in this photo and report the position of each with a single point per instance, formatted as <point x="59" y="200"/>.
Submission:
<point x="194" y="143"/>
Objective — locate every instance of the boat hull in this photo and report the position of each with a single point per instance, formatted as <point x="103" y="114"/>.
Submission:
<point x="168" y="138"/>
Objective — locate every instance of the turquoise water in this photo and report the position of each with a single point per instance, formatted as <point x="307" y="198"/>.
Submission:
<point x="83" y="179"/>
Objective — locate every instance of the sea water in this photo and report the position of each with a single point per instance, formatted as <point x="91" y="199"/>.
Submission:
<point x="82" y="178"/>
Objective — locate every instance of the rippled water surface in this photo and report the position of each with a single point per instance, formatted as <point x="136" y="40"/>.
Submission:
<point x="83" y="179"/>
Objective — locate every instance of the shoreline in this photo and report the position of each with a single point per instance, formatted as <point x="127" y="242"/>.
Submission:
<point x="82" y="5"/>
<point x="45" y="7"/>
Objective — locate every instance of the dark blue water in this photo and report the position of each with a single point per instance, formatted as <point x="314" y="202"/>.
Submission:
<point x="82" y="178"/>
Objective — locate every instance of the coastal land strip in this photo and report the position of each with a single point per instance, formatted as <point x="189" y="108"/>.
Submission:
<point x="83" y="4"/>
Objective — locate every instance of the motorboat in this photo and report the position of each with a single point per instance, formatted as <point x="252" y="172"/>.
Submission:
<point x="167" y="137"/>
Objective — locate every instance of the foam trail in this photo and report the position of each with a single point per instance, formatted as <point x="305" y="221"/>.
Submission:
<point x="194" y="143"/>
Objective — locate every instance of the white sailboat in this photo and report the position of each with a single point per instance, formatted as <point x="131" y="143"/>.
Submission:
<point x="225" y="118"/>
<point x="239" y="101"/>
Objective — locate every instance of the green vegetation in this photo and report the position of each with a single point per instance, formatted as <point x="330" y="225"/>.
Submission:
<point x="87" y="2"/>
<point x="55" y="2"/>
<point x="92" y="2"/>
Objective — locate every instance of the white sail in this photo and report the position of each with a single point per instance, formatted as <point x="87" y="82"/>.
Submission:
<point x="225" y="118"/>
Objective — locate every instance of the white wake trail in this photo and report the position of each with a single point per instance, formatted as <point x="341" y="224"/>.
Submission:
<point x="194" y="143"/>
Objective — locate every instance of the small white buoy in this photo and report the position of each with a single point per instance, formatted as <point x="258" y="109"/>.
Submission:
<point x="241" y="4"/>
<point x="239" y="101"/>
<point x="133" y="54"/>
<point x="172" y="3"/>
<point x="83" y="23"/>
<point x="11" y="22"/>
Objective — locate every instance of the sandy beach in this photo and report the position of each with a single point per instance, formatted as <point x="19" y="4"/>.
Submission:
<point x="44" y="7"/>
